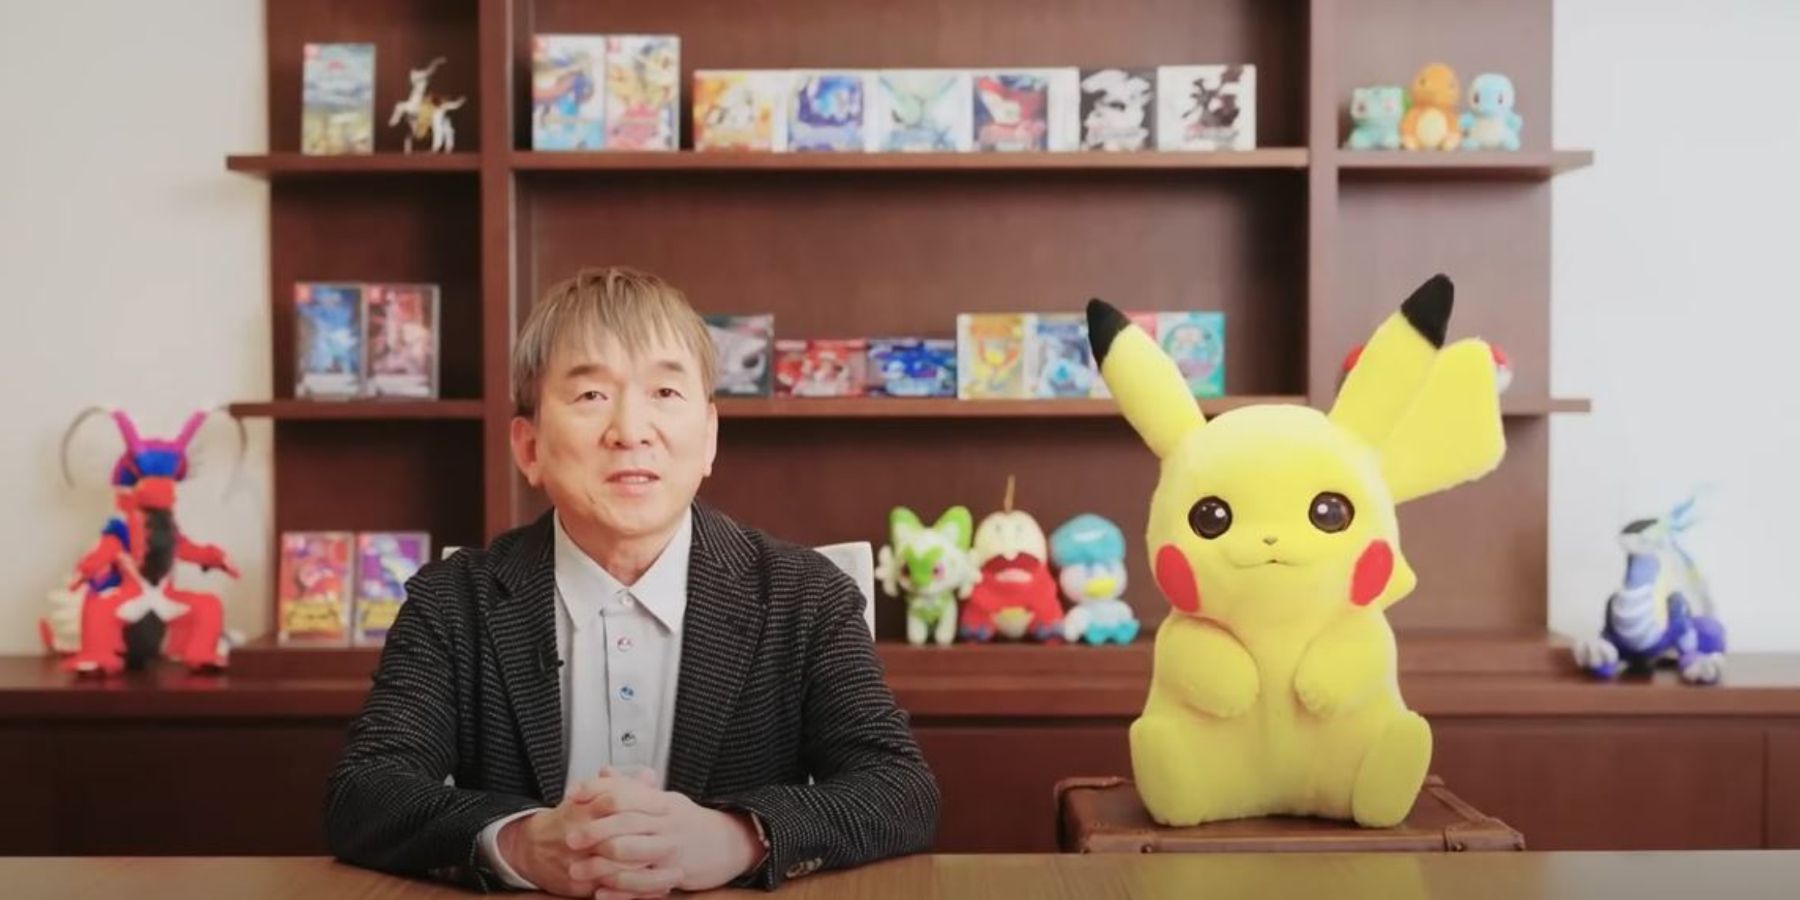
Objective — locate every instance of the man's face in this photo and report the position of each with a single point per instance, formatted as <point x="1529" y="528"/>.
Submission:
<point x="620" y="443"/>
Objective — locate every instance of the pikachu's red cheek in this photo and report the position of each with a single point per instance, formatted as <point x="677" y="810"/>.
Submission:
<point x="1373" y="569"/>
<point x="1176" y="578"/>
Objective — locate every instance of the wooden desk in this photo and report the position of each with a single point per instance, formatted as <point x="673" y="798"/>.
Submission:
<point x="159" y="764"/>
<point x="1344" y="876"/>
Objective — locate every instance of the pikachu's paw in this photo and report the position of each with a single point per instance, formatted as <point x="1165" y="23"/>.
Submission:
<point x="1229" y="704"/>
<point x="1323" y="692"/>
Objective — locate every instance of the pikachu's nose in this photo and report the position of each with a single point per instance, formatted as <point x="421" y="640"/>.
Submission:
<point x="1270" y="539"/>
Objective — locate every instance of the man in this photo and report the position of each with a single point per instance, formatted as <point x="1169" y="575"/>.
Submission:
<point x="633" y="694"/>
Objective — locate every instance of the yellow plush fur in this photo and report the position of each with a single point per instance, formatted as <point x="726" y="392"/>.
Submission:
<point x="1276" y="692"/>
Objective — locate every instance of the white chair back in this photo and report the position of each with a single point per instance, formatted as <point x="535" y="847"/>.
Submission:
<point x="857" y="559"/>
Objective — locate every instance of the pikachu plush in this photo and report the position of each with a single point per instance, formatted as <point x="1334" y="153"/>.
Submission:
<point x="1272" y="534"/>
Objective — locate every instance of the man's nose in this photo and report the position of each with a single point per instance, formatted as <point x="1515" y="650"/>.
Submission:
<point x="630" y="423"/>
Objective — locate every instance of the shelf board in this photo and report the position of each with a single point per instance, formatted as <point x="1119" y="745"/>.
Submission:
<point x="283" y="165"/>
<point x="950" y="407"/>
<point x="344" y="410"/>
<point x="1544" y="406"/>
<point x="1462" y="163"/>
<point x="687" y="160"/>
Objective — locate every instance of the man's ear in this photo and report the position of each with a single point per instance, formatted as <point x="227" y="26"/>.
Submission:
<point x="525" y="450"/>
<point x="712" y="436"/>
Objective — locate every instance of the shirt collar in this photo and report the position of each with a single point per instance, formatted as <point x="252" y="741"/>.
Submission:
<point x="584" y="586"/>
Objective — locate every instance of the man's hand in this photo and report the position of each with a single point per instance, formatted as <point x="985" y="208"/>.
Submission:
<point x="538" y="848"/>
<point x="641" y="841"/>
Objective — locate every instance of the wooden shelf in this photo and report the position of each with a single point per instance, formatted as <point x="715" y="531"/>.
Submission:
<point x="1441" y="676"/>
<point x="338" y="410"/>
<point x="949" y="407"/>
<point x="1543" y="406"/>
<point x="689" y="161"/>
<point x="1463" y="163"/>
<point x="284" y="165"/>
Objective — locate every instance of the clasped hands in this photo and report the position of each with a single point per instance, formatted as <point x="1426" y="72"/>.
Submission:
<point x="616" y="836"/>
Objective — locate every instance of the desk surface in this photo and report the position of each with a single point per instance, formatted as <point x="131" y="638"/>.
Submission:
<point x="1550" y="876"/>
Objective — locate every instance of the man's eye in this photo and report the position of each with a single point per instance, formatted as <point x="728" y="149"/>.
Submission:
<point x="667" y="392"/>
<point x="590" y="395"/>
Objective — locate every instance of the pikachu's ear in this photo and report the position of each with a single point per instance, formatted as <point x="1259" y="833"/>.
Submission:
<point x="1452" y="431"/>
<point x="1143" y="379"/>
<point x="1393" y="364"/>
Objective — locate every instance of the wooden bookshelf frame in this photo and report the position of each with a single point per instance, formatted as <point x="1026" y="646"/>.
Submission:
<point x="1335" y="237"/>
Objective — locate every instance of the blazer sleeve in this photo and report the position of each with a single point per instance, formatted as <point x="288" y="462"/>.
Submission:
<point x="388" y="804"/>
<point x="873" y="796"/>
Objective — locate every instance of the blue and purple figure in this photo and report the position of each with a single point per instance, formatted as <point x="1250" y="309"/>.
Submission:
<point x="1663" y="611"/>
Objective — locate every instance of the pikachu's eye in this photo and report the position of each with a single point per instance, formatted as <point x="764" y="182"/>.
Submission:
<point x="1331" y="512"/>
<point x="1210" y="517"/>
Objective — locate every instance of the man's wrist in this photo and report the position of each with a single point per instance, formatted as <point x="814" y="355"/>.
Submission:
<point x="501" y="843"/>
<point x="756" y="838"/>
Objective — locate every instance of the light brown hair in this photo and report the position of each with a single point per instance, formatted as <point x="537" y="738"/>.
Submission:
<point x="634" y="308"/>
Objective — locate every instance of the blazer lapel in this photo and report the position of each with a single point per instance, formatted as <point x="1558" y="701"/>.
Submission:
<point x="522" y="627"/>
<point x="720" y="632"/>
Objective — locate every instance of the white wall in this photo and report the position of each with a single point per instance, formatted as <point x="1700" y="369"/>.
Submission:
<point x="1675" y="302"/>
<point x="133" y="272"/>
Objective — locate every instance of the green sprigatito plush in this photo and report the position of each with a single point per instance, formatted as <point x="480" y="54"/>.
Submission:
<point x="931" y="567"/>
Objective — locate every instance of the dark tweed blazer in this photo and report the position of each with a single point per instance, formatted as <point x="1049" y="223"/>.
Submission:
<point x="779" y="684"/>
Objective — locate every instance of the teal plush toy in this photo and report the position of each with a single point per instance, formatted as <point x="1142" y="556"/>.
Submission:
<point x="1090" y="553"/>
<point x="1490" y="123"/>
<point x="931" y="567"/>
<point x="1376" y="113"/>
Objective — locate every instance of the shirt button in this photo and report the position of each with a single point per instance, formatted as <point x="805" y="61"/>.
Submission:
<point x="629" y="739"/>
<point x="624" y="644"/>
<point x="626" y="693"/>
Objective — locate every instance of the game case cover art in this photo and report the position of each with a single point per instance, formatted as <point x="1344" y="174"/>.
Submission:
<point x="740" y="110"/>
<point x="923" y="110"/>
<point x="1118" y="109"/>
<point x="1196" y="342"/>
<point x="1025" y="109"/>
<point x="328" y="328"/>
<point x="912" y="367"/>
<point x="990" y="359"/>
<point x="568" y="95"/>
<point x="744" y="349"/>
<point x="643" y="91"/>
<point x="821" y="367"/>
<point x="313" y="596"/>
<point x="384" y="561"/>
<point x="403" y="339"/>
<point x="1206" y="107"/>
<point x="337" y="99"/>
<point x="827" y="111"/>
<point x="1061" y="362"/>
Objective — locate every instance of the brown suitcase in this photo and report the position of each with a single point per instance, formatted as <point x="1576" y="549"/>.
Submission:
<point x="1105" y="815"/>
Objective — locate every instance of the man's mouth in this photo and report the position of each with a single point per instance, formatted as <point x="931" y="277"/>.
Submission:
<point x="632" y="477"/>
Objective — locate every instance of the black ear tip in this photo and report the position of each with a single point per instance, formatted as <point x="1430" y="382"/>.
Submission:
<point x="1104" y="324"/>
<point x="1428" y="309"/>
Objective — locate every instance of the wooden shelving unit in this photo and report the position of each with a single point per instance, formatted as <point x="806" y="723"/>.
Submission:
<point x="1304" y="245"/>
<point x="1463" y="163"/>
<point x="291" y="165"/>
<point x="345" y="410"/>
<point x="1276" y="158"/>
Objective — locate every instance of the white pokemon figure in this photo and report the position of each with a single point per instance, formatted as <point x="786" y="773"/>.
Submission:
<point x="426" y="114"/>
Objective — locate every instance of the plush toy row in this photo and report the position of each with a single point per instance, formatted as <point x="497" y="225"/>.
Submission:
<point x="1001" y="575"/>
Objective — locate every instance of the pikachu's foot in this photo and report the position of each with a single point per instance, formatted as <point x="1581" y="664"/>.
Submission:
<point x="1392" y="773"/>
<point x="1184" y="777"/>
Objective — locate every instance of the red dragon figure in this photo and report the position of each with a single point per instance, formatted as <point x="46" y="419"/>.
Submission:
<point x="131" y="608"/>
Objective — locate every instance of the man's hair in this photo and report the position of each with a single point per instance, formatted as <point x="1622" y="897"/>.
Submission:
<point x="634" y="308"/>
